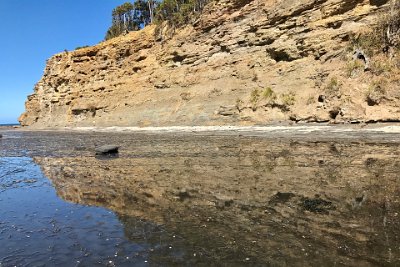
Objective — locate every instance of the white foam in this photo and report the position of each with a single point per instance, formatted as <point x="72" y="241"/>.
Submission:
<point x="385" y="129"/>
<point x="266" y="129"/>
<point x="255" y="129"/>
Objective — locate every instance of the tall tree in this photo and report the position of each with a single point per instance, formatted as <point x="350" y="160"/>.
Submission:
<point x="134" y="16"/>
<point x="124" y="18"/>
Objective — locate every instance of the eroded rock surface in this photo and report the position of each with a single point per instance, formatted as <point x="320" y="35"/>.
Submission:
<point x="221" y="70"/>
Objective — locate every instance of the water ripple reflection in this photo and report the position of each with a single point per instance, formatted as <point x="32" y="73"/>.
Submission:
<point x="202" y="200"/>
<point x="39" y="229"/>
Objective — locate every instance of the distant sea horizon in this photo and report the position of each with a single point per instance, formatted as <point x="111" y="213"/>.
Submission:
<point x="9" y="124"/>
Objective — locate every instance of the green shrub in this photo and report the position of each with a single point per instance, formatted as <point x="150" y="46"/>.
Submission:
<point x="288" y="99"/>
<point x="384" y="36"/>
<point x="354" y="67"/>
<point x="268" y="94"/>
<point x="271" y="99"/>
<point x="333" y="87"/>
<point x="368" y="42"/>
<point x="388" y="27"/>
<point x="178" y="13"/>
<point x="376" y="92"/>
<point x="379" y="67"/>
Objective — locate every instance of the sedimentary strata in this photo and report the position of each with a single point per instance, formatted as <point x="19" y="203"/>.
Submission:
<point x="240" y="63"/>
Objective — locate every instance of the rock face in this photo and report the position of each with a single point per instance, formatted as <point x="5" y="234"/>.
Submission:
<point x="242" y="62"/>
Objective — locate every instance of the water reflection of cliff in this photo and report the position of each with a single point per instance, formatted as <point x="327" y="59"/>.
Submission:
<point x="235" y="200"/>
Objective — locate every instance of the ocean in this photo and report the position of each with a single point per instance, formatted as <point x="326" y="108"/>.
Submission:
<point x="9" y="124"/>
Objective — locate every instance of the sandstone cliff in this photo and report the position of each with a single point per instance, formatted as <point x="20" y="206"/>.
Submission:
<point x="241" y="62"/>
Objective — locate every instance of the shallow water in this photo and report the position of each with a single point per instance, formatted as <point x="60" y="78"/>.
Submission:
<point x="37" y="228"/>
<point x="197" y="199"/>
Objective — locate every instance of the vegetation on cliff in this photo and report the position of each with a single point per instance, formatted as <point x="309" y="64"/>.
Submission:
<point x="384" y="37"/>
<point x="381" y="45"/>
<point x="178" y="12"/>
<point x="128" y="17"/>
<point x="134" y="16"/>
<point x="389" y="27"/>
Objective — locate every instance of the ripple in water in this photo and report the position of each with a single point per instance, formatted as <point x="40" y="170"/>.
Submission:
<point x="189" y="200"/>
<point x="39" y="229"/>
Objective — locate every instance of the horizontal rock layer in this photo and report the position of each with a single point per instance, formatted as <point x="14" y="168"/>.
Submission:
<point x="242" y="62"/>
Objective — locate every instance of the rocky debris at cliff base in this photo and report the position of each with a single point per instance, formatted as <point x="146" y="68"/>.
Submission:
<point x="107" y="150"/>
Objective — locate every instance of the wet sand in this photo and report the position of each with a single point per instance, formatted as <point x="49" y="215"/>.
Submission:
<point x="379" y="131"/>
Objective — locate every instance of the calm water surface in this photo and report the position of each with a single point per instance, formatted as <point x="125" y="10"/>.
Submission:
<point x="195" y="200"/>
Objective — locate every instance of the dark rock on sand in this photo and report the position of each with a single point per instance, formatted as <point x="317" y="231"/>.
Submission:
<point x="183" y="194"/>
<point x="107" y="150"/>
<point x="317" y="205"/>
<point x="281" y="197"/>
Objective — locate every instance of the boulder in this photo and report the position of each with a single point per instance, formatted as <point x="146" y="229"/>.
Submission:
<point x="107" y="150"/>
<point x="360" y="55"/>
<point x="227" y="110"/>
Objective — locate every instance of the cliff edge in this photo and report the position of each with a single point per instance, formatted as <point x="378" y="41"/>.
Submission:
<point x="242" y="62"/>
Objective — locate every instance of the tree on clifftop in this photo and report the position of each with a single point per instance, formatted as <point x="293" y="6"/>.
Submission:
<point x="179" y="12"/>
<point x="132" y="17"/>
<point x="128" y="17"/>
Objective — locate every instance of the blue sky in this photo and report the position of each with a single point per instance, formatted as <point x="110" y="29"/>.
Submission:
<point x="31" y="31"/>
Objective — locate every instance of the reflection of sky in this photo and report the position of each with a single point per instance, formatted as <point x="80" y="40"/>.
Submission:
<point x="38" y="228"/>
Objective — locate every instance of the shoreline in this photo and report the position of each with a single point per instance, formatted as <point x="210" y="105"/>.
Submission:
<point x="10" y="127"/>
<point x="305" y="128"/>
<point x="351" y="132"/>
